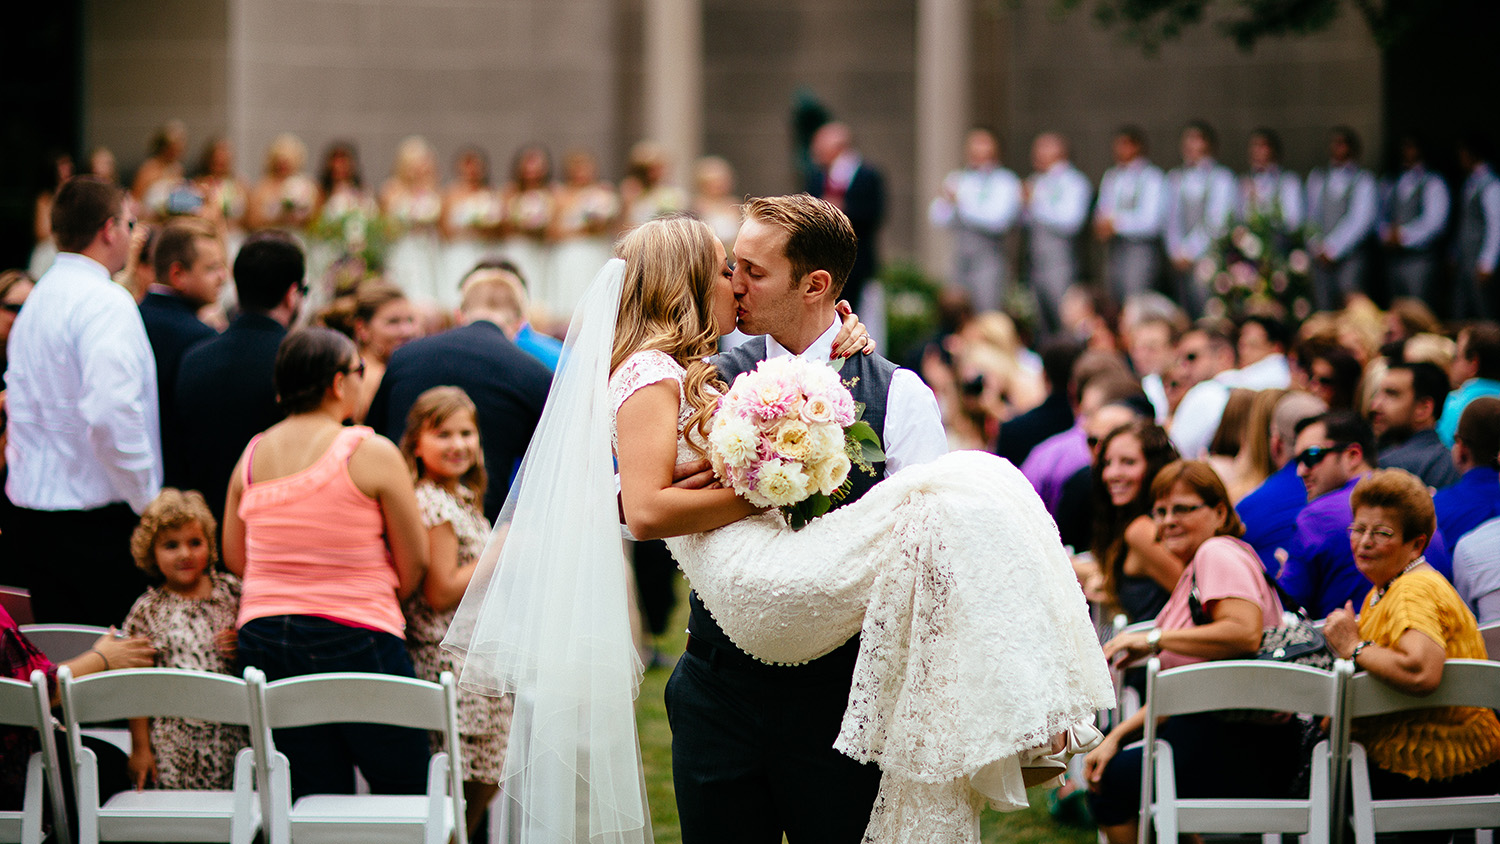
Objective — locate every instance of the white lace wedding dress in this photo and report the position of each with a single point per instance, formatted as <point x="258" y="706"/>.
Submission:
<point x="975" y="642"/>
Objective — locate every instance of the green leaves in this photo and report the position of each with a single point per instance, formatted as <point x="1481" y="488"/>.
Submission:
<point x="804" y="511"/>
<point x="862" y="433"/>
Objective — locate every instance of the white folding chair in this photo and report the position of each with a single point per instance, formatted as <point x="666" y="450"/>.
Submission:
<point x="1235" y="684"/>
<point x="1127" y="700"/>
<point x="26" y="705"/>
<point x="62" y="642"/>
<point x="159" y="815"/>
<point x="349" y="697"/>
<point x="1491" y="634"/>
<point x="1466" y="682"/>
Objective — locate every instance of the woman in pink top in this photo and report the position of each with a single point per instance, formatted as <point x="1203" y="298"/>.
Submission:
<point x="1222" y="603"/>
<point x="322" y="525"/>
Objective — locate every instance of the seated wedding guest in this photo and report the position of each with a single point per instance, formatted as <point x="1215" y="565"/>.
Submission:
<point x="1075" y="510"/>
<point x="1235" y="604"/>
<point x="379" y="318"/>
<point x="1409" y="317"/>
<point x="1475" y="497"/>
<point x="322" y="526"/>
<point x="1204" y="354"/>
<point x="1260" y="345"/>
<point x="1151" y="342"/>
<point x="1333" y="453"/>
<point x="1476" y="571"/>
<point x="190" y="273"/>
<point x="1139" y="573"/>
<point x="1269" y="513"/>
<point x="1408" y="625"/>
<point x="1254" y="462"/>
<point x="1224" y="449"/>
<point x="1054" y="415"/>
<point x="1330" y="372"/>
<point x="1055" y="459"/>
<point x="1475" y="372"/>
<point x="225" y="389"/>
<point x="506" y="384"/>
<point x="1404" y="415"/>
<point x="18" y="658"/>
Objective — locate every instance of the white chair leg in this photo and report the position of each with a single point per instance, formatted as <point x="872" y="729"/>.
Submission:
<point x="1484" y="836"/>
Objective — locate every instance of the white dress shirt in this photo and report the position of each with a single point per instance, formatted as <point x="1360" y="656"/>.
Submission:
<point x="84" y="428"/>
<point x="1213" y="185"/>
<point x="913" y="426"/>
<point x="1271" y="372"/>
<point x="1273" y="188"/>
<point x="1357" y="222"/>
<point x="1059" y="199"/>
<point x="1421" y="232"/>
<point x="986" y="201"/>
<point x="1130" y="197"/>
<point x="1483" y="182"/>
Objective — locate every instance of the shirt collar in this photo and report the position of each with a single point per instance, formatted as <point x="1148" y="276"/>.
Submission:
<point x="841" y="171"/>
<point x="84" y="263"/>
<point x="820" y="350"/>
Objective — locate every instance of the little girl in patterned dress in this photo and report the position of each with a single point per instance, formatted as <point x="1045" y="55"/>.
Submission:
<point x="441" y="446"/>
<point x="189" y="619"/>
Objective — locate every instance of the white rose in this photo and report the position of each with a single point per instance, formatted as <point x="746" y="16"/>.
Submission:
<point x="827" y="439"/>
<point x="817" y="409"/>
<point x="734" y="439"/>
<point x="792" y="440"/>
<point x="782" y="483"/>
<point x="830" y="473"/>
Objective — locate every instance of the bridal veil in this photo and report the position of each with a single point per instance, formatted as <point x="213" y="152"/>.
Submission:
<point x="546" y="616"/>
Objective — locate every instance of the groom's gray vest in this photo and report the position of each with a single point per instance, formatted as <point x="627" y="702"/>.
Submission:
<point x="871" y="375"/>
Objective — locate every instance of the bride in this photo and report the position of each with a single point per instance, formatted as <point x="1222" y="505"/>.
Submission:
<point x="975" y="646"/>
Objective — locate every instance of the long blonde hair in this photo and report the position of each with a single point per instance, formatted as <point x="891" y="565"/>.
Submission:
<point x="666" y="304"/>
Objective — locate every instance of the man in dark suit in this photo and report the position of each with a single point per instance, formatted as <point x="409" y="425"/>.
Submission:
<point x="856" y="188"/>
<point x="226" y="391"/>
<point x="507" y="385"/>
<point x="190" y="272"/>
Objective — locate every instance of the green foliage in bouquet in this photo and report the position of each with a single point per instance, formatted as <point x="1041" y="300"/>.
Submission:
<point x="1258" y="267"/>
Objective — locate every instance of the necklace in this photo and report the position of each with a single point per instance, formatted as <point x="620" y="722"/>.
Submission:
<point x="1380" y="591"/>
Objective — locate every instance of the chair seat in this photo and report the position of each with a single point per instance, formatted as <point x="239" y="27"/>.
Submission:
<point x="382" y="819"/>
<point x="1243" y="816"/>
<point x="1415" y="815"/>
<point x="170" y="816"/>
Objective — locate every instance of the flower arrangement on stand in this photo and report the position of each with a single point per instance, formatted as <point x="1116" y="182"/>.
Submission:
<point x="1258" y="267"/>
<point x="357" y="237"/>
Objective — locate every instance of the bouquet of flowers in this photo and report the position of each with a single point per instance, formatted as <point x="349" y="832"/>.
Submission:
<point x="1258" y="267"/>
<point x="788" y="434"/>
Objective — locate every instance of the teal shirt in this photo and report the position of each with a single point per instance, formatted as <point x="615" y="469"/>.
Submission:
<point x="1459" y="399"/>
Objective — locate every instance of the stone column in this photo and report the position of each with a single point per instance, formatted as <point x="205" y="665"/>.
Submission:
<point x="673" y="86"/>
<point x="943" y="66"/>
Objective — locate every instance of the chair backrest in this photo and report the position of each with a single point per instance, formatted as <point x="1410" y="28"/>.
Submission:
<point x="1241" y="684"/>
<point x="1466" y="682"/>
<point x="1491" y="634"/>
<point x="62" y="642"/>
<point x="17" y="704"/>
<point x="27" y="705"/>
<point x="352" y="697"/>
<point x="17" y="602"/>
<point x="155" y="693"/>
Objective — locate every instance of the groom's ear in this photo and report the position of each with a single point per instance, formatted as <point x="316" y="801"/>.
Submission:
<point x="819" y="284"/>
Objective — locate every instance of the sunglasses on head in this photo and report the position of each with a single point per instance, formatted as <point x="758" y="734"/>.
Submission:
<point x="1314" y="455"/>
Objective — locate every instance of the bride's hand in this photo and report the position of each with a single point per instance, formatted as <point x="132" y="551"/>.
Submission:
<point x="696" y="474"/>
<point x="852" y="336"/>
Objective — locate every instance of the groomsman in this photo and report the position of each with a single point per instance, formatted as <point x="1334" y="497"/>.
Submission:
<point x="1056" y="198"/>
<point x="980" y="203"/>
<point x="1267" y="190"/>
<point x="856" y="188"/>
<point x="1341" y="210"/>
<point x="1200" y="198"/>
<point x="1476" y="245"/>
<point x="1413" y="213"/>
<point x="1128" y="218"/>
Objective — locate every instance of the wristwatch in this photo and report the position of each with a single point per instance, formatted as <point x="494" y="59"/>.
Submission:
<point x="1153" y="640"/>
<point x="1354" y="654"/>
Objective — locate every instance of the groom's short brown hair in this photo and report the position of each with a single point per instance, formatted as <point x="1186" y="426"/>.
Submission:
<point x="819" y="236"/>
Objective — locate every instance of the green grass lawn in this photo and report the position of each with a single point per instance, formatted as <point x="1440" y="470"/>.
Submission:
<point x="1033" y="826"/>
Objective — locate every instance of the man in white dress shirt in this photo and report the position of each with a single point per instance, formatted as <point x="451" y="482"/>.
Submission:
<point x="1476" y="242"/>
<point x="1413" y="214"/>
<point x="752" y="743"/>
<point x="1267" y="190"/>
<point x="1128" y="218"/>
<point x="1056" y="197"/>
<point x="1341" y="211"/>
<point x="979" y="204"/>
<point x="1200" y="198"/>
<point x="84" y="449"/>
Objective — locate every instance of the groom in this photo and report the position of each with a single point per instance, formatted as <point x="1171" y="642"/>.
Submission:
<point x="752" y="744"/>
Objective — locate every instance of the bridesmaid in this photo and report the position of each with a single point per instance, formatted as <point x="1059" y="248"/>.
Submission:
<point x="412" y="206"/>
<point x="341" y="226"/>
<point x="714" y="201"/>
<point x="159" y="173"/>
<point x="224" y="194"/>
<point x="530" y="203"/>
<point x="284" y="197"/>
<point x="470" y="224"/>
<point x="645" y="190"/>
<point x="588" y="212"/>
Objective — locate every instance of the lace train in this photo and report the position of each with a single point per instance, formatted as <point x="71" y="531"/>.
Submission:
<point x="976" y="647"/>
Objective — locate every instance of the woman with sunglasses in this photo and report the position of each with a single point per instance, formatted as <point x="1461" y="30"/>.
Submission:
<point x="321" y="524"/>
<point x="1218" y="610"/>
<point x="1409" y="624"/>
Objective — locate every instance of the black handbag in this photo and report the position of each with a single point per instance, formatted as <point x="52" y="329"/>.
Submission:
<point x="1296" y="640"/>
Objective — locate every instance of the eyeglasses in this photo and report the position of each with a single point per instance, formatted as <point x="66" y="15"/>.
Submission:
<point x="358" y="369"/>
<point x="13" y="307"/>
<point x="1379" y="534"/>
<point x="1314" y="455"/>
<point x="1177" y="511"/>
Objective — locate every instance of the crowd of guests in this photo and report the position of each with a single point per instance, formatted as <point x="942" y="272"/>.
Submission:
<point x="1399" y="234"/>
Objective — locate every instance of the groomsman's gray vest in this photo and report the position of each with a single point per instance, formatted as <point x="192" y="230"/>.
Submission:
<point x="873" y="374"/>
<point x="1194" y="208"/>
<point x="1471" y="223"/>
<point x="1334" y="207"/>
<point x="1405" y="210"/>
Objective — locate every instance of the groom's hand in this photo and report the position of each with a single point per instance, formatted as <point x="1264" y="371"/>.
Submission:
<point x="697" y="474"/>
<point x="852" y="336"/>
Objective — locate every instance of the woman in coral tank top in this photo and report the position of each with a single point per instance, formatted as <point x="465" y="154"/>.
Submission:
<point x="322" y="525"/>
